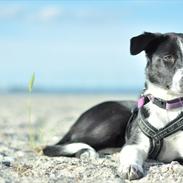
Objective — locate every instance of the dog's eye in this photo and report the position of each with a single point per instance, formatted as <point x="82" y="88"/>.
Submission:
<point x="169" y="59"/>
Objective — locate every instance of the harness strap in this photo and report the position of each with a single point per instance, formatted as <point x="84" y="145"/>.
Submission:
<point x="156" y="136"/>
<point x="150" y="131"/>
<point x="172" y="127"/>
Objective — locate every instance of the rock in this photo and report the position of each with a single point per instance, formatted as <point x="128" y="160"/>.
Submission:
<point x="7" y="161"/>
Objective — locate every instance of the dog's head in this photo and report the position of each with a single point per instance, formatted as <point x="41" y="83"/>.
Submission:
<point x="164" y="59"/>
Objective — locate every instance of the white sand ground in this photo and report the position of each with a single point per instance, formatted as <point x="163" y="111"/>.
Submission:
<point x="20" y="155"/>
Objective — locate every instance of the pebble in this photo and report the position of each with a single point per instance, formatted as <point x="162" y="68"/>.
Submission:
<point x="7" y="161"/>
<point x="20" y="154"/>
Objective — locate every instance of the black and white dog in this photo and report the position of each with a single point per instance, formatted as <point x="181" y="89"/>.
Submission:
<point x="154" y="129"/>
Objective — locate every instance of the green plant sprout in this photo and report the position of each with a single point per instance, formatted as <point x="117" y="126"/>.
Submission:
<point x="30" y="88"/>
<point x="32" y="136"/>
<point x="31" y="83"/>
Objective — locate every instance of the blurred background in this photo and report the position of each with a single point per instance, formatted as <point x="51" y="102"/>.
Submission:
<point x="78" y="45"/>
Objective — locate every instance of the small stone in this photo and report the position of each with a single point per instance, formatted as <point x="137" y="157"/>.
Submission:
<point x="52" y="176"/>
<point x="6" y="163"/>
<point x="2" y="154"/>
<point x="20" y="154"/>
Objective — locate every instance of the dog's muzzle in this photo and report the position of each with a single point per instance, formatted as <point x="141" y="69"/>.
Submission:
<point x="177" y="82"/>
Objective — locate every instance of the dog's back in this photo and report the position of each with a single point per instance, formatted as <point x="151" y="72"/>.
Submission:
<point x="102" y="126"/>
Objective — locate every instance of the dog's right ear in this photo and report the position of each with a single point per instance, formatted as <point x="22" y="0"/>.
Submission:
<point x="141" y="42"/>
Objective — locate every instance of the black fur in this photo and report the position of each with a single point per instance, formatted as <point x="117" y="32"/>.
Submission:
<point x="101" y="126"/>
<point x="143" y="42"/>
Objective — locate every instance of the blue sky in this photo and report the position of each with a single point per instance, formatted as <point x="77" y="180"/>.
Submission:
<point x="79" y="44"/>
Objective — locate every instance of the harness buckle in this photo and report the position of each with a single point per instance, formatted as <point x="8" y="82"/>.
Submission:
<point x="159" y="103"/>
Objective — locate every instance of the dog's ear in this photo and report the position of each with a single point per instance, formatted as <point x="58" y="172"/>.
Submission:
<point x="142" y="42"/>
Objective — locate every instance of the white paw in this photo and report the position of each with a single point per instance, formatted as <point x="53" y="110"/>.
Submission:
<point x="131" y="172"/>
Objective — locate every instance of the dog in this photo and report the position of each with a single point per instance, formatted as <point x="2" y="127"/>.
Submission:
<point x="149" y="128"/>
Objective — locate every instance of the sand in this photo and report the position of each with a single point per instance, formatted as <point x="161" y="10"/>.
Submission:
<point x="21" y="159"/>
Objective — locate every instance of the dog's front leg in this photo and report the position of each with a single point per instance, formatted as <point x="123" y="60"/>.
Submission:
<point x="132" y="158"/>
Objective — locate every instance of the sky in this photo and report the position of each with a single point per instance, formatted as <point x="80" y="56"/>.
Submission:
<point x="76" y="44"/>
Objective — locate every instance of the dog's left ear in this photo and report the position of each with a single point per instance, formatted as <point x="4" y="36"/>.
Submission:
<point x="142" y="42"/>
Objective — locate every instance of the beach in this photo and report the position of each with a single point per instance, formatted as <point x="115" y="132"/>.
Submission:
<point x="28" y="123"/>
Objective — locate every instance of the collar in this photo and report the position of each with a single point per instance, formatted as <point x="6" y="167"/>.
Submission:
<point x="164" y="104"/>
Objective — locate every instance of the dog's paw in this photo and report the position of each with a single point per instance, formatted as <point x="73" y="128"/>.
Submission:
<point x="131" y="172"/>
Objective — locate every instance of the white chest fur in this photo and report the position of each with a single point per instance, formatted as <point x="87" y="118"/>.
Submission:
<point x="160" y="117"/>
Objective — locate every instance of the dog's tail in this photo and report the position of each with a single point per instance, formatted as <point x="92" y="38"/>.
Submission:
<point x="68" y="149"/>
<point x="65" y="147"/>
